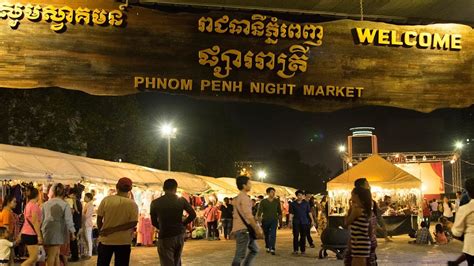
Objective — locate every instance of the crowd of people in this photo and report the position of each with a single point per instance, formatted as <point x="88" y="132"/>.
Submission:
<point x="241" y="218"/>
<point x="56" y="221"/>
<point x="51" y="224"/>
<point x="433" y="210"/>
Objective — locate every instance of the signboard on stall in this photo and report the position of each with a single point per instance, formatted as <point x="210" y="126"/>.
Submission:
<point x="105" y="48"/>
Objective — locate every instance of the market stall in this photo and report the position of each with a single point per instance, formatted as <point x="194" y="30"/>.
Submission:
<point x="259" y="188"/>
<point x="385" y="179"/>
<point x="21" y="165"/>
<point x="219" y="186"/>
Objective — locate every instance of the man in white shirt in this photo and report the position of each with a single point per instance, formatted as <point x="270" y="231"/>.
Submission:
<point x="464" y="223"/>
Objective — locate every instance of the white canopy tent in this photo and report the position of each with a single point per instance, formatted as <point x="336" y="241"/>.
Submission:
<point x="378" y="172"/>
<point x="259" y="188"/>
<point x="219" y="185"/>
<point x="42" y="165"/>
<point x="35" y="164"/>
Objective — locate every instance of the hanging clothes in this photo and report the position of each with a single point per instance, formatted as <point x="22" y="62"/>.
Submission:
<point x="147" y="232"/>
<point x="139" y="230"/>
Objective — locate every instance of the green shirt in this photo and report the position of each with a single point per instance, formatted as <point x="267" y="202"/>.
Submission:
<point x="270" y="209"/>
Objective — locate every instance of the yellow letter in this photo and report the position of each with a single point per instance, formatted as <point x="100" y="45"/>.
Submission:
<point x="350" y="92"/>
<point x="424" y="40"/>
<point x="162" y="84"/>
<point x="330" y="90"/>
<point x="255" y="87"/>
<point x="308" y="89"/>
<point x="407" y="36"/>
<point x="359" y="91"/>
<point x="204" y="84"/>
<point x="173" y="84"/>
<point x="394" y="40"/>
<point x="281" y="89"/>
<point x="384" y="37"/>
<point x="238" y="86"/>
<point x="440" y="43"/>
<point x="320" y="91"/>
<point x="270" y="88"/>
<point x="216" y="85"/>
<point x="227" y="86"/>
<point x="339" y="91"/>
<point x="187" y="84"/>
<point x="150" y="82"/>
<point x="292" y="87"/>
<point x="456" y="42"/>
<point x="138" y="81"/>
<point x="366" y="35"/>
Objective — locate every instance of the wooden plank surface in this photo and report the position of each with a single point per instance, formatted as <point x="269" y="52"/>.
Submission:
<point x="103" y="60"/>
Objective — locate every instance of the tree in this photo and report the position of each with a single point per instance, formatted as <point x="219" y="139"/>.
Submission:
<point x="288" y="169"/>
<point x="41" y="118"/>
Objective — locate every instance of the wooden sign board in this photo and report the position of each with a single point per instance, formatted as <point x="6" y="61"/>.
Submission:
<point x="105" y="49"/>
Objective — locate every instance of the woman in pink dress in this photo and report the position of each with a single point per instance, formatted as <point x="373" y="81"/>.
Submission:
<point x="147" y="231"/>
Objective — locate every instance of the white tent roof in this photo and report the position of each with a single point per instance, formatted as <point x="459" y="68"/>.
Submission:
<point x="259" y="188"/>
<point x="220" y="185"/>
<point x="35" y="164"/>
<point x="42" y="165"/>
<point x="378" y="172"/>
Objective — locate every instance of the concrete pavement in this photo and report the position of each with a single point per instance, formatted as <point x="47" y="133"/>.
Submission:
<point x="203" y="252"/>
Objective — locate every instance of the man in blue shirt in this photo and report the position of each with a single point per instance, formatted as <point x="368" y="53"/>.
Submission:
<point x="300" y="215"/>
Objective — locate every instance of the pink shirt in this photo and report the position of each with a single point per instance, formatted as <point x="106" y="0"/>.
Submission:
<point x="211" y="214"/>
<point x="441" y="238"/>
<point x="87" y="213"/>
<point x="31" y="207"/>
<point x="243" y="204"/>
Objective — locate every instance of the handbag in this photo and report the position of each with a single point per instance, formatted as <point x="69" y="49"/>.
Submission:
<point x="41" y="251"/>
<point x="252" y="233"/>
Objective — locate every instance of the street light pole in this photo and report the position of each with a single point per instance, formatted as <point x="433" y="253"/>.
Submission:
<point x="169" y="153"/>
<point x="168" y="131"/>
<point x="262" y="174"/>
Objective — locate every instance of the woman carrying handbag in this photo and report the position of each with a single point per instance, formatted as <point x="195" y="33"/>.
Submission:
<point x="31" y="230"/>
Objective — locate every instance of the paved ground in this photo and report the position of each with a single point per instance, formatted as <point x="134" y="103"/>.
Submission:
<point x="203" y="252"/>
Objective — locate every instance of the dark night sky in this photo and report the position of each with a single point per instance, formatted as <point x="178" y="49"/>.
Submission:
<point x="317" y="135"/>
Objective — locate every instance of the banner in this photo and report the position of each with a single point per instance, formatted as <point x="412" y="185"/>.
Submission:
<point x="430" y="174"/>
<point x="105" y="48"/>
